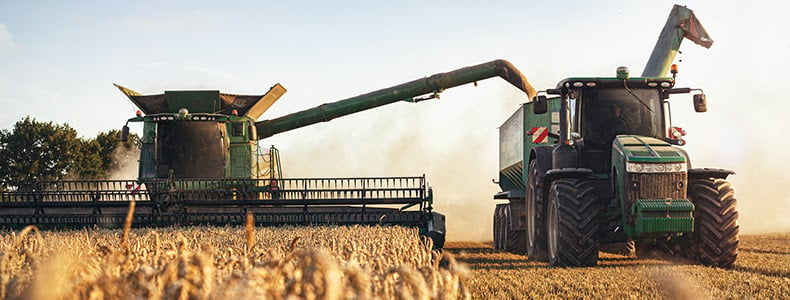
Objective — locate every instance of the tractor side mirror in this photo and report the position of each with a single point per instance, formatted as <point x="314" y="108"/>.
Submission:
<point x="700" y="105"/>
<point x="124" y="133"/>
<point x="540" y="105"/>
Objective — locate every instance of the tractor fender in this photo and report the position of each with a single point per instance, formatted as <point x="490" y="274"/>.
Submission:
<point x="702" y="173"/>
<point x="686" y="154"/>
<point x="555" y="174"/>
<point x="543" y="155"/>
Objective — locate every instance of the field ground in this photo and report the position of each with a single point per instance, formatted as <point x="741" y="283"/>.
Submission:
<point x="761" y="272"/>
<point x="351" y="262"/>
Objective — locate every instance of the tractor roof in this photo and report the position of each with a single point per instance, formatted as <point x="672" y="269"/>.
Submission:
<point x="612" y="82"/>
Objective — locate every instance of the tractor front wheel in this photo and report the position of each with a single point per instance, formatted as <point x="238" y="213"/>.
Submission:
<point x="571" y="223"/>
<point x="715" y="237"/>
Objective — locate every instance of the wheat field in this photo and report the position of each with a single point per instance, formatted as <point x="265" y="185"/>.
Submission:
<point x="762" y="271"/>
<point x="350" y="262"/>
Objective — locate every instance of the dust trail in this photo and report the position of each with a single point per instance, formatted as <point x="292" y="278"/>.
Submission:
<point x="127" y="162"/>
<point x="673" y="284"/>
<point x="453" y="141"/>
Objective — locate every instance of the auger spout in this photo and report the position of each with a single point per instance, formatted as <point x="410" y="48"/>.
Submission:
<point x="407" y="91"/>
<point x="682" y="23"/>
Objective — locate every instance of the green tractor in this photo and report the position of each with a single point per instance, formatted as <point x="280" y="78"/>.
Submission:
<point x="595" y="161"/>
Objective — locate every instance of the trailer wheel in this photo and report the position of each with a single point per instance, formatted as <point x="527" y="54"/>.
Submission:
<point x="571" y="223"/>
<point x="516" y="240"/>
<point x="498" y="241"/>
<point x="716" y="227"/>
<point x="535" y="234"/>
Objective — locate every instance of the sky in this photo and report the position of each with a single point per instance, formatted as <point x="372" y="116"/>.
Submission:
<point x="58" y="62"/>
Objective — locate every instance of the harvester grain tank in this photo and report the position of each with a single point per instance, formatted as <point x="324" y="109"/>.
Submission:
<point x="200" y="163"/>
<point x="598" y="163"/>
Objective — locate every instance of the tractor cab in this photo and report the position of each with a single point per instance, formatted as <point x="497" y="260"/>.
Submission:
<point x="600" y="109"/>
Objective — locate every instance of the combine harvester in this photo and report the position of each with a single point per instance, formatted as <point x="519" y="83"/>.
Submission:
<point x="200" y="163"/>
<point x="597" y="164"/>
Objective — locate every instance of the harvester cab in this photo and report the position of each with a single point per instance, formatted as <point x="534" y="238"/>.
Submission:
<point x="202" y="134"/>
<point x="595" y="161"/>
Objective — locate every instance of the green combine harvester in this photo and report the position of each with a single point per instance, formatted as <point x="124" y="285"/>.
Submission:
<point x="200" y="163"/>
<point x="595" y="161"/>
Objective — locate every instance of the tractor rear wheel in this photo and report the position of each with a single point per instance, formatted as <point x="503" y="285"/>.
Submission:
<point x="535" y="233"/>
<point x="516" y="240"/>
<point x="571" y="223"/>
<point x="715" y="241"/>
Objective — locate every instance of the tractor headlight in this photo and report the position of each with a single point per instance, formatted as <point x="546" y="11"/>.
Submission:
<point x="635" y="167"/>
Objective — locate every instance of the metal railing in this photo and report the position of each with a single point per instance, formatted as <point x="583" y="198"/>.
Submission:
<point x="288" y="191"/>
<point x="219" y="201"/>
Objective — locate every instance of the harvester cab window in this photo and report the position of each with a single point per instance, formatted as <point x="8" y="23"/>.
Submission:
<point x="238" y="128"/>
<point x="190" y="150"/>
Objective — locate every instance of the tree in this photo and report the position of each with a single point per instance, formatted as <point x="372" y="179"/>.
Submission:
<point x="35" y="151"/>
<point x="38" y="151"/>
<point x="88" y="161"/>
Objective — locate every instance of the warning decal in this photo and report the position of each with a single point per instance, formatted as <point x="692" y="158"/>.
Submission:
<point x="539" y="135"/>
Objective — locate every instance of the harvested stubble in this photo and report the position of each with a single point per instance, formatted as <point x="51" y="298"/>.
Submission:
<point x="354" y="262"/>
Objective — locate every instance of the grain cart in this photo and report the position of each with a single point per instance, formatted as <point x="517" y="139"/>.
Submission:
<point x="598" y="163"/>
<point x="200" y="163"/>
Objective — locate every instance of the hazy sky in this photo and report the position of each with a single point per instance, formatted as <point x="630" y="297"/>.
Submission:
<point x="58" y="61"/>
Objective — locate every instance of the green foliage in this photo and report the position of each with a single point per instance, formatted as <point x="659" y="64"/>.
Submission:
<point x="88" y="164"/>
<point x="34" y="151"/>
<point x="37" y="151"/>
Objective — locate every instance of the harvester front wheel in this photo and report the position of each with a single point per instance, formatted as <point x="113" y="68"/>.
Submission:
<point x="437" y="238"/>
<point x="715" y="222"/>
<point x="516" y="239"/>
<point x="535" y="235"/>
<point x="571" y="223"/>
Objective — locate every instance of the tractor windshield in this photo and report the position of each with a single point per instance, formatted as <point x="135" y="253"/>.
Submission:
<point x="608" y="112"/>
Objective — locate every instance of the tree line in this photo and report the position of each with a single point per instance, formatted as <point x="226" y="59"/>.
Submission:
<point x="35" y="151"/>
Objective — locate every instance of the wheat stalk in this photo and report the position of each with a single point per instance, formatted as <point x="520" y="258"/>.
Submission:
<point x="249" y="229"/>
<point x="127" y="226"/>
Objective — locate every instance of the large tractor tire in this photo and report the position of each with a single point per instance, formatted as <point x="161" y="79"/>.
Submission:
<point x="515" y="240"/>
<point x="571" y="223"/>
<point x="715" y="238"/>
<point x="536" y="230"/>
